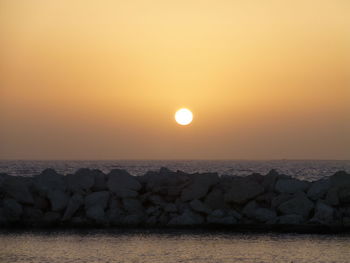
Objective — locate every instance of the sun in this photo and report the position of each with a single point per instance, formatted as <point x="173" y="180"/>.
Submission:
<point x="183" y="116"/>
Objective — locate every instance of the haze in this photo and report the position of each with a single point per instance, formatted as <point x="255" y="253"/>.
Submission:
<point x="103" y="79"/>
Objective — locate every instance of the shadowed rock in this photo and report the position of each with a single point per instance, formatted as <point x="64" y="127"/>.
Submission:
<point x="242" y="190"/>
<point x="298" y="205"/>
<point x="200" y="186"/>
<point x="123" y="184"/>
<point x="291" y="186"/>
<point x="17" y="188"/>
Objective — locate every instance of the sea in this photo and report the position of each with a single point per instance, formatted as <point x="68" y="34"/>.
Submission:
<point x="174" y="245"/>
<point x="303" y="169"/>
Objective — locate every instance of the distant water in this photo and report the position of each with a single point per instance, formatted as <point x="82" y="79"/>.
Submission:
<point x="171" y="246"/>
<point x="308" y="170"/>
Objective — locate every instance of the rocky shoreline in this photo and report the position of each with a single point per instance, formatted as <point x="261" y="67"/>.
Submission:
<point x="167" y="199"/>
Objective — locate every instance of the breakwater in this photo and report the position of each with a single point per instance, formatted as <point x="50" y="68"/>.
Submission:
<point x="174" y="199"/>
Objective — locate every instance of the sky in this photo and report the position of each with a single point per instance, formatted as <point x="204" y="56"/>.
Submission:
<point x="103" y="79"/>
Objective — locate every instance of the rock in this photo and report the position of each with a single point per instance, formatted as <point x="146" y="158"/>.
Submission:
<point x="218" y="213"/>
<point x="234" y="213"/>
<point x="123" y="184"/>
<point x="200" y="186"/>
<point x="75" y="202"/>
<point x="344" y="194"/>
<point x="134" y="219"/>
<point x="215" y="199"/>
<point x="115" y="216"/>
<point x="170" y="208"/>
<point x="17" y="188"/>
<point x="12" y="209"/>
<point x="51" y="218"/>
<point x="133" y="206"/>
<point x="97" y="199"/>
<point x="156" y="200"/>
<point x="346" y="221"/>
<point x="291" y="186"/>
<point x="324" y="214"/>
<point x="269" y="181"/>
<point x="278" y="200"/>
<point x="80" y="182"/>
<point x="32" y="215"/>
<point x="243" y="190"/>
<point x="318" y="189"/>
<point x="340" y="179"/>
<point x="332" y="196"/>
<point x="200" y="207"/>
<point x="253" y="211"/>
<point x="263" y="214"/>
<point x="41" y="203"/>
<point x="47" y="181"/>
<point x="299" y="205"/>
<point x="290" y="220"/>
<point x="96" y="213"/>
<point x="188" y="218"/>
<point x="100" y="181"/>
<point x="226" y="220"/>
<point x="58" y="200"/>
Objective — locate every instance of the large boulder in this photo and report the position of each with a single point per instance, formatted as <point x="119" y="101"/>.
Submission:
<point x="344" y="194"/>
<point x="324" y="214"/>
<point x="32" y="215"/>
<point x="199" y="187"/>
<point x="97" y="199"/>
<point x="188" y="218"/>
<point x="221" y="220"/>
<point x="123" y="184"/>
<point x="133" y="206"/>
<point x="80" y="182"/>
<point x="17" y="188"/>
<point x="97" y="214"/>
<point x="75" y="202"/>
<point x="58" y="200"/>
<point x="242" y="190"/>
<point x="165" y="182"/>
<point x="100" y="181"/>
<point x="47" y="181"/>
<point x="340" y="179"/>
<point x="298" y="205"/>
<point x="253" y="211"/>
<point x="200" y="207"/>
<point x="290" y="220"/>
<point x="12" y="209"/>
<point x="291" y="186"/>
<point x="215" y="199"/>
<point x="51" y="218"/>
<point x="318" y="189"/>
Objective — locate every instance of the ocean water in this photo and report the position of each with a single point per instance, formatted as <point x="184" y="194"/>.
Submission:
<point x="302" y="169"/>
<point x="140" y="246"/>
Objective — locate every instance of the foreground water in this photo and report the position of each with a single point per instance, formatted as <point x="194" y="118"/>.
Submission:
<point x="170" y="246"/>
<point x="302" y="169"/>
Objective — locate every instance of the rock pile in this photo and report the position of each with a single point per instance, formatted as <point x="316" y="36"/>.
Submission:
<point x="167" y="198"/>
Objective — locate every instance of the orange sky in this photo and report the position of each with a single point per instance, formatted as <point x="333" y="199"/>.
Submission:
<point x="103" y="79"/>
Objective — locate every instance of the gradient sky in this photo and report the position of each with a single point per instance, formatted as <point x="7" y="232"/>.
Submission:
<point x="103" y="79"/>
